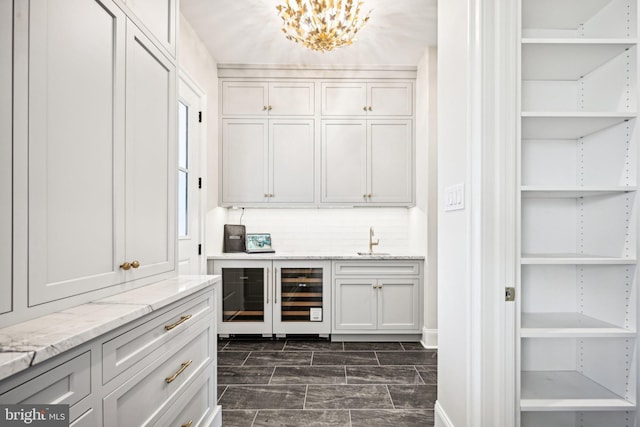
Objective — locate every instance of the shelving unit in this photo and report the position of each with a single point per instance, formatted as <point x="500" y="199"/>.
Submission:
<point x="578" y="213"/>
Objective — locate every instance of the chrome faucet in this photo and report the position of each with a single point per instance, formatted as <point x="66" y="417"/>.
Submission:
<point x="371" y="242"/>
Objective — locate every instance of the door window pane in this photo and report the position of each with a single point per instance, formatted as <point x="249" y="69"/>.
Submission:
<point x="183" y="133"/>
<point x="183" y="192"/>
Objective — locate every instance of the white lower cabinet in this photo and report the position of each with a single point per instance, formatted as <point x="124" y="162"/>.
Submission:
<point x="379" y="298"/>
<point x="157" y="370"/>
<point x="273" y="297"/>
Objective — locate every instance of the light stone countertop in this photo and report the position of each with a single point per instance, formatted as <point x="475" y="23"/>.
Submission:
<point x="315" y="256"/>
<point x="31" y="342"/>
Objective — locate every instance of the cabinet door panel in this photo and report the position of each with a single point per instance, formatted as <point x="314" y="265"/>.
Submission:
<point x="6" y="153"/>
<point x="344" y="99"/>
<point x="291" y="98"/>
<point x="398" y="304"/>
<point x="76" y="112"/>
<point x="159" y="16"/>
<point x="390" y="99"/>
<point x="150" y="147"/>
<point x="244" y="165"/>
<point x="245" y="98"/>
<point x="344" y="161"/>
<point x="292" y="159"/>
<point x="390" y="151"/>
<point x="355" y="304"/>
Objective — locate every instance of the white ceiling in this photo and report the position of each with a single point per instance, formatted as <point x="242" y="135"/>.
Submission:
<point x="249" y="32"/>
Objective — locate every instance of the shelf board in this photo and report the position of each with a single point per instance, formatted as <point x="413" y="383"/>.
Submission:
<point x="569" y="325"/>
<point x="572" y="192"/>
<point x="567" y="391"/>
<point x="566" y="14"/>
<point x="569" y="125"/>
<point x="568" y="59"/>
<point x="570" y="258"/>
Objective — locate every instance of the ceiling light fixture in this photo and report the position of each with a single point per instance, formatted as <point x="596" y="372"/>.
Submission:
<point x="322" y="25"/>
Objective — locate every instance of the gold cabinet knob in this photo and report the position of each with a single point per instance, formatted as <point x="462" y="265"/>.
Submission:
<point x="370" y="108"/>
<point x="364" y="108"/>
<point x="264" y="108"/>
<point x="127" y="265"/>
<point x="270" y="108"/>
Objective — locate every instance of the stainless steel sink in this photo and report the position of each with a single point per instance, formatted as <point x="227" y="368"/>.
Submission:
<point x="373" y="253"/>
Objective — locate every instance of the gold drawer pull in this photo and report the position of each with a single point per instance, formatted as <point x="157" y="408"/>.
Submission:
<point x="187" y="424"/>
<point x="184" y="366"/>
<point x="182" y="320"/>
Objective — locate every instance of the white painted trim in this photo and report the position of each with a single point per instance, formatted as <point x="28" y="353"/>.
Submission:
<point x="429" y="338"/>
<point x="441" y="417"/>
<point x="316" y="71"/>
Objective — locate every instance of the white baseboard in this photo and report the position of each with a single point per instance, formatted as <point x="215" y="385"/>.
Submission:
<point x="441" y="418"/>
<point x="429" y="338"/>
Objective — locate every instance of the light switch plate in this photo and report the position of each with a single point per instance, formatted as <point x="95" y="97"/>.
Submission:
<point x="454" y="197"/>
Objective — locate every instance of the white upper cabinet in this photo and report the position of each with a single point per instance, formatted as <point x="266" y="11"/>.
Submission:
<point x="344" y="161"/>
<point x="76" y="143"/>
<point x="6" y="154"/>
<point x="150" y="153"/>
<point x="245" y="153"/>
<point x="159" y="17"/>
<point x="367" y="99"/>
<point x="101" y="139"/>
<point x="281" y="98"/>
<point x="268" y="161"/>
<point x="367" y="161"/>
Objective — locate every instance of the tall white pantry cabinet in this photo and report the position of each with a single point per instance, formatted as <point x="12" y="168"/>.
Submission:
<point x="578" y="156"/>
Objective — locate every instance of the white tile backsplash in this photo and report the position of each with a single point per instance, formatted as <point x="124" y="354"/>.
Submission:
<point x="338" y="231"/>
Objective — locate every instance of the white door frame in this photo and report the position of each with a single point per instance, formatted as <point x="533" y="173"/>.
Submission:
<point x="190" y="83"/>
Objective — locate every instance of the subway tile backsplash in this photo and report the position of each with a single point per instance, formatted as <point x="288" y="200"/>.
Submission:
<point x="336" y="231"/>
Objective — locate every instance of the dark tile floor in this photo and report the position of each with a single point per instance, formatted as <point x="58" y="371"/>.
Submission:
<point x="310" y="383"/>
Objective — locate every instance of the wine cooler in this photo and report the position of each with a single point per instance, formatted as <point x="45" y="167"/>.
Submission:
<point x="273" y="297"/>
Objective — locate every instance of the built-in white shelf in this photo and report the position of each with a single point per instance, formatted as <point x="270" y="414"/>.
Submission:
<point x="569" y="325"/>
<point x="571" y="258"/>
<point x="569" y="125"/>
<point x="563" y="59"/>
<point x="567" y="391"/>
<point x="573" y="192"/>
<point x="549" y="14"/>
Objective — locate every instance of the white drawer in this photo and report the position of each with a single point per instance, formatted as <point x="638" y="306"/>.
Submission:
<point x="139" y="401"/>
<point x="376" y="268"/>
<point x="196" y="406"/>
<point x="125" y="350"/>
<point x="67" y="383"/>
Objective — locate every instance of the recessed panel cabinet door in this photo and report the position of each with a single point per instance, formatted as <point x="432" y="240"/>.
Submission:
<point x="159" y="16"/>
<point x="245" y="151"/>
<point x="6" y="178"/>
<point x="391" y="168"/>
<point x="355" y="304"/>
<point x="76" y="137"/>
<point x="150" y="153"/>
<point x="344" y="161"/>
<point x="292" y="151"/>
<point x="398" y="303"/>
<point x="344" y="99"/>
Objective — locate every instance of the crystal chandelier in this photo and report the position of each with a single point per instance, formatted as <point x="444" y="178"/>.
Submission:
<point x="322" y="25"/>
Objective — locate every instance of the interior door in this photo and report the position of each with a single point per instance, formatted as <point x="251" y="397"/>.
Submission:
<point x="190" y="193"/>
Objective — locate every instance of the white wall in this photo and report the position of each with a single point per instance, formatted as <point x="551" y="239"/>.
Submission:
<point x="423" y="217"/>
<point x="197" y="62"/>
<point x="453" y="227"/>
